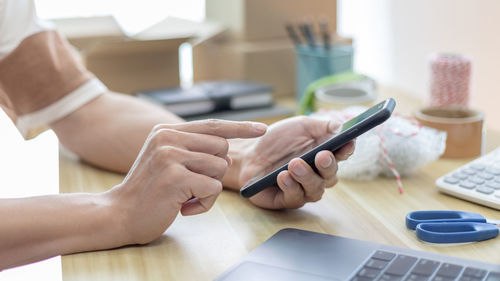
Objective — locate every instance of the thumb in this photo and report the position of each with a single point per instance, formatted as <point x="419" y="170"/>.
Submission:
<point x="319" y="128"/>
<point x="334" y="126"/>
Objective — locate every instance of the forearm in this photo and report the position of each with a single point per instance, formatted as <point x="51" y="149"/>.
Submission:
<point x="109" y="131"/>
<point x="37" y="228"/>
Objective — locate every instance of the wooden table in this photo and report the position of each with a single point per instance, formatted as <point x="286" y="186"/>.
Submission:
<point x="202" y="247"/>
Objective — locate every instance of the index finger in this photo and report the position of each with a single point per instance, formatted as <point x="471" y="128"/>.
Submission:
<point x="222" y="128"/>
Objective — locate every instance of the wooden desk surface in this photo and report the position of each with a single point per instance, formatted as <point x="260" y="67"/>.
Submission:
<point x="202" y="247"/>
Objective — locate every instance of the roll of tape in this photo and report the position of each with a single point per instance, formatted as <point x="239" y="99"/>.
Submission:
<point x="341" y="95"/>
<point x="450" y="79"/>
<point x="464" y="128"/>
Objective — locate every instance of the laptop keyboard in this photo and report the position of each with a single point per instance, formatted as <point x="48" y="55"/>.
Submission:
<point x="387" y="266"/>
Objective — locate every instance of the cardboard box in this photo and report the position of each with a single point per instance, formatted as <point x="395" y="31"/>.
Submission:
<point x="271" y="61"/>
<point x="132" y="66"/>
<point x="85" y="33"/>
<point x="128" y="63"/>
<point x="256" y="46"/>
<point x="265" y="19"/>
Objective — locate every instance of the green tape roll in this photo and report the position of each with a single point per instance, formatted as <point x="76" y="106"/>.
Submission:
<point x="306" y="105"/>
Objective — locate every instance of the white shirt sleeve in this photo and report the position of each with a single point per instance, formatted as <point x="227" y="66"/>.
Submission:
<point x="61" y="108"/>
<point x="18" y="21"/>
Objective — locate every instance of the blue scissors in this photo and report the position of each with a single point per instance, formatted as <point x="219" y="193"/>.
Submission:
<point x="451" y="226"/>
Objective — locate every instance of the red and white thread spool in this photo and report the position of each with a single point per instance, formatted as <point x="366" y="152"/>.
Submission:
<point x="450" y="79"/>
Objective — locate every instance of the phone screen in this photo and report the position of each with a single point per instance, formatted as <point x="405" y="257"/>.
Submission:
<point x="343" y="137"/>
<point x="363" y="116"/>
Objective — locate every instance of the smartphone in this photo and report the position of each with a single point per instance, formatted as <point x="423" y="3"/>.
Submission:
<point x="351" y="129"/>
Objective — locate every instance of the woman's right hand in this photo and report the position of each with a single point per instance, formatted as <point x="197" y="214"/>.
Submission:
<point x="179" y="169"/>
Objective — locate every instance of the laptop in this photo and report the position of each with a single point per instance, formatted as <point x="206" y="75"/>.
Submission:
<point x="293" y="254"/>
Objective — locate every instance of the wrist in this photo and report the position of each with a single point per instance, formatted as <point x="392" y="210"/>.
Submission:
<point x="237" y="150"/>
<point x="90" y="224"/>
<point x="118" y="215"/>
<point x="107" y="230"/>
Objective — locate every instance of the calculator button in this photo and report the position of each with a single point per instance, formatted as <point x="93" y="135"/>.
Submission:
<point x="485" y="190"/>
<point x="468" y="185"/>
<point x="451" y="180"/>
<point x="478" y="167"/>
<point x="490" y="163"/>
<point x="485" y="176"/>
<point x="494" y="185"/>
<point x="460" y="176"/>
<point x="476" y="180"/>
<point x="469" y="172"/>
<point x="493" y="171"/>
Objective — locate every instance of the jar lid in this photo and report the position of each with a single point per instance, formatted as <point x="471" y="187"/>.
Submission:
<point x="354" y="92"/>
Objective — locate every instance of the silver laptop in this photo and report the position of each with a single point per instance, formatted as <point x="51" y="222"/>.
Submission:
<point x="293" y="254"/>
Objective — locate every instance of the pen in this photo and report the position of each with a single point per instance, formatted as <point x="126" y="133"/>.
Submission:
<point x="308" y="34"/>
<point x="293" y="35"/>
<point x="323" y="25"/>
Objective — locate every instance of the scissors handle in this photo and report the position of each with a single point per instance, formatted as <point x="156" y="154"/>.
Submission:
<point x="455" y="232"/>
<point x="417" y="217"/>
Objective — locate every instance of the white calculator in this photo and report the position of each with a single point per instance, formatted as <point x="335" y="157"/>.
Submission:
<point x="477" y="181"/>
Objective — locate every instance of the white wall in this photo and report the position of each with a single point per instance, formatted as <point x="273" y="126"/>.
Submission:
<point x="394" y="39"/>
<point x="133" y="15"/>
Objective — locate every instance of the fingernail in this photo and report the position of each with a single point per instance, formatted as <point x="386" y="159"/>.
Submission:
<point x="333" y="126"/>
<point x="259" y="127"/>
<point x="353" y="147"/>
<point x="299" y="170"/>
<point x="287" y="180"/>
<point x="326" y="163"/>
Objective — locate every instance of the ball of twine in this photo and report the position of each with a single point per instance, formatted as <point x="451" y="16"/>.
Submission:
<point x="450" y="79"/>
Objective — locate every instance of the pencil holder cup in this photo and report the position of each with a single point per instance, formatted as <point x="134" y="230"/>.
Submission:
<point x="316" y="62"/>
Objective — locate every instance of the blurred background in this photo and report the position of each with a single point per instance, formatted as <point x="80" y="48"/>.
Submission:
<point x="395" y="38"/>
<point x="133" y="14"/>
<point x="392" y="40"/>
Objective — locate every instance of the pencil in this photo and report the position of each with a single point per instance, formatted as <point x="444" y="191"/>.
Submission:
<point x="292" y="34"/>
<point x="323" y="25"/>
<point x="308" y="34"/>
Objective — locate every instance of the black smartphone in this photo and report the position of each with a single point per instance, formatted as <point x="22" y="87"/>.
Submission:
<point x="351" y="129"/>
